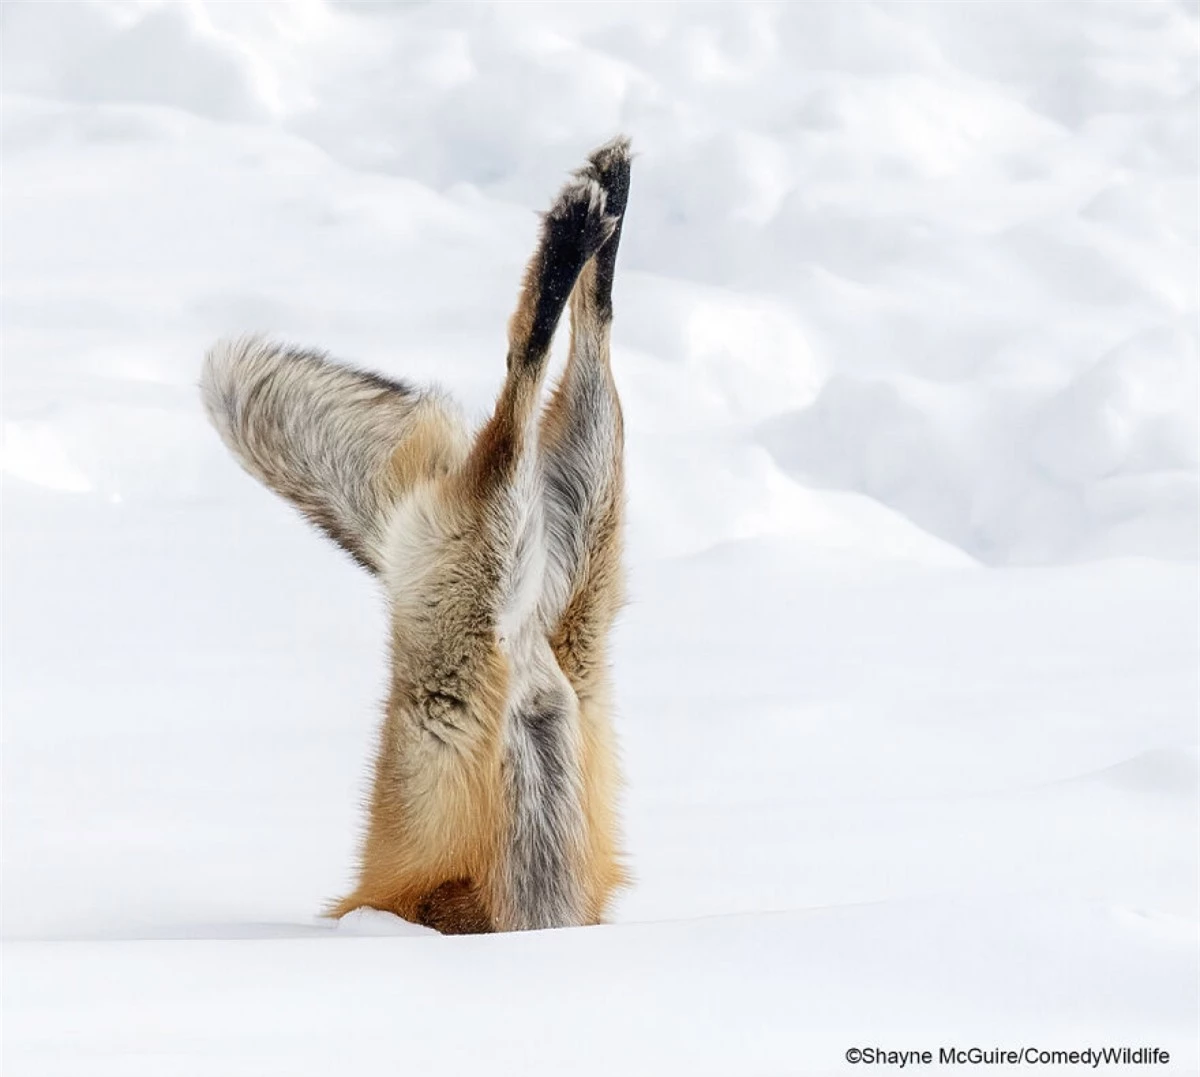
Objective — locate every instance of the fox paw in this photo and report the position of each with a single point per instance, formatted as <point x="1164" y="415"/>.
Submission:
<point x="609" y="166"/>
<point x="578" y="224"/>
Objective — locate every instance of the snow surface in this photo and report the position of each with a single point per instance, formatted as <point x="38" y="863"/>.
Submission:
<point x="907" y="340"/>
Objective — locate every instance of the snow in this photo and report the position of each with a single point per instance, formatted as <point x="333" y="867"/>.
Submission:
<point x="907" y="341"/>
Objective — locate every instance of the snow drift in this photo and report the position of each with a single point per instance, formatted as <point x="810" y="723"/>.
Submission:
<point x="907" y="340"/>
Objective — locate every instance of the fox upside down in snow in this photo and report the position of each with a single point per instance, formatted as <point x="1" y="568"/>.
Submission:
<point x="495" y="778"/>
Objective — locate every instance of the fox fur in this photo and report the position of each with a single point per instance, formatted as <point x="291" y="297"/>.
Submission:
<point x="495" y="781"/>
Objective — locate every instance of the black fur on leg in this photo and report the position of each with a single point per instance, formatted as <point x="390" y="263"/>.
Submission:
<point x="572" y="231"/>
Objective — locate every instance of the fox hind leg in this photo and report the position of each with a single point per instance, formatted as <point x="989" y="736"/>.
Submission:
<point x="539" y="886"/>
<point x="582" y="441"/>
<point x="458" y="807"/>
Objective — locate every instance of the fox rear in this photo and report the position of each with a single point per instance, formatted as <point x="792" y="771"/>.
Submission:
<point x="493" y="804"/>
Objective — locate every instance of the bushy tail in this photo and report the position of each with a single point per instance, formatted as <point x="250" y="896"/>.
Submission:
<point x="320" y="434"/>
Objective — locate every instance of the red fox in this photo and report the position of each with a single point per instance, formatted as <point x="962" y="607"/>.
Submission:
<point x="493" y="803"/>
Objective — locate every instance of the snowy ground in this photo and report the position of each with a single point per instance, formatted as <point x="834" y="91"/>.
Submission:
<point x="907" y="339"/>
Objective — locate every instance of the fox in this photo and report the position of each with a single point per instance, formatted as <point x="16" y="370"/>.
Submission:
<point x="493" y="798"/>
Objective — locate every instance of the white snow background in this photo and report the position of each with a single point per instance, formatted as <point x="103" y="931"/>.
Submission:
<point x="907" y="341"/>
